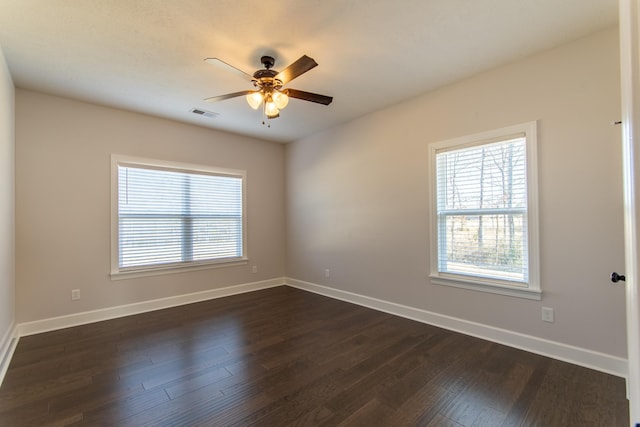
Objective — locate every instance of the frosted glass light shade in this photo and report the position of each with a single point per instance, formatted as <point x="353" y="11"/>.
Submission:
<point x="271" y="110"/>
<point x="280" y="99"/>
<point x="254" y="100"/>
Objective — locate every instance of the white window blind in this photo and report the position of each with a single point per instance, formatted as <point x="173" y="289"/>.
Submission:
<point x="482" y="210"/>
<point x="170" y="217"/>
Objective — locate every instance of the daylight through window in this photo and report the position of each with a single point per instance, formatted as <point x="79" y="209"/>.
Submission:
<point x="483" y="211"/>
<point x="175" y="218"/>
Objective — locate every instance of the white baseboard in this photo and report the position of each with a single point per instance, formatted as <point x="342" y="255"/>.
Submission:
<point x="45" y="325"/>
<point x="578" y="356"/>
<point x="7" y="346"/>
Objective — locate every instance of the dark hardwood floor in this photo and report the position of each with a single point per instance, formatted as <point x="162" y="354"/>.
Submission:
<point x="283" y="357"/>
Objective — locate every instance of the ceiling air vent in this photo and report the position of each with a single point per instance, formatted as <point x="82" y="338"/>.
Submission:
<point x="204" y="113"/>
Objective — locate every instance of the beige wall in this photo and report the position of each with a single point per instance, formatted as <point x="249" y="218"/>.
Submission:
<point x="357" y="196"/>
<point x="7" y="219"/>
<point x="63" y="150"/>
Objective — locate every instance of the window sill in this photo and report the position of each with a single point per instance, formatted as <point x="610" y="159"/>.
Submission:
<point x="482" y="286"/>
<point x="157" y="271"/>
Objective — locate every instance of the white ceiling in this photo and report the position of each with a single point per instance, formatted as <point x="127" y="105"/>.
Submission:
<point x="147" y="55"/>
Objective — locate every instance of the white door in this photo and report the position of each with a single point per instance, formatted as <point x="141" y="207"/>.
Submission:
<point x="630" y="82"/>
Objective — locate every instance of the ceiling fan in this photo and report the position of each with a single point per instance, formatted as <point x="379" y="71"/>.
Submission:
<point x="269" y="85"/>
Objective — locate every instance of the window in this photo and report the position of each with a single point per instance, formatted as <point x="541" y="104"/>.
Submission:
<point x="167" y="216"/>
<point x="484" y="215"/>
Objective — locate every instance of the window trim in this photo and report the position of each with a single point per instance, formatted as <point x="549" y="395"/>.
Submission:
<point x="530" y="290"/>
<point x="118" y="273"/>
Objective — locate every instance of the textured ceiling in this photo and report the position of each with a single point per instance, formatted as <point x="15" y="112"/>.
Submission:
<point x="147" y="55"/>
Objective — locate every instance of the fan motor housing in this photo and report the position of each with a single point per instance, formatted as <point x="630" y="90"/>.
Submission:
<point x="266" y="76"/>
<point x="261" y="74"/>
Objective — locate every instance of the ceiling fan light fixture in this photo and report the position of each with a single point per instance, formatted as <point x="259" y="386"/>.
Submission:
<point x="269" y="86"/>
<point x="254" y="100"/>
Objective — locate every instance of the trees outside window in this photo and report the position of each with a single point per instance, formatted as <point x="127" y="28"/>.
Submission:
<point x="484" y="228"/>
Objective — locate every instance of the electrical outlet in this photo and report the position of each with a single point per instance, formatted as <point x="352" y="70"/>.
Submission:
<point x="327" y="273"/>
<point x="547" y="314"/>
<point x="75" y="294"/>
<point x="254" y="269"/>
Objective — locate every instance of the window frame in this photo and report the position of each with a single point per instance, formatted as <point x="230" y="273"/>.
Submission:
<point x="117" y="272"/>
<point x="530" y="289"/>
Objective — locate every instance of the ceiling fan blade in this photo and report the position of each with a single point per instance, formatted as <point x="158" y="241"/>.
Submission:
<point x="229" y="95"/>
<point x="308" y="96"/>
<point x="220" y="63"/>
<point x="296" y="69"/>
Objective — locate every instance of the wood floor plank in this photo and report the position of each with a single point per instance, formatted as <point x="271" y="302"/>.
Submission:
<point x="292" y="403"/>
<point x="90" y="398"/>
<point x="442" y="421"/>
<point x="113" y="413"/>
<point x="201" y="379"/>
<point x="372" y="413"/>
<point x="489" y="418"/>
<point x="492" y="390"/>
<point x="285" y="357"/>
<point x="423" y="406"/>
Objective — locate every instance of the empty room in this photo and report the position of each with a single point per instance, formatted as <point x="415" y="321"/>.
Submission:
<point x="323" y="213"/>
